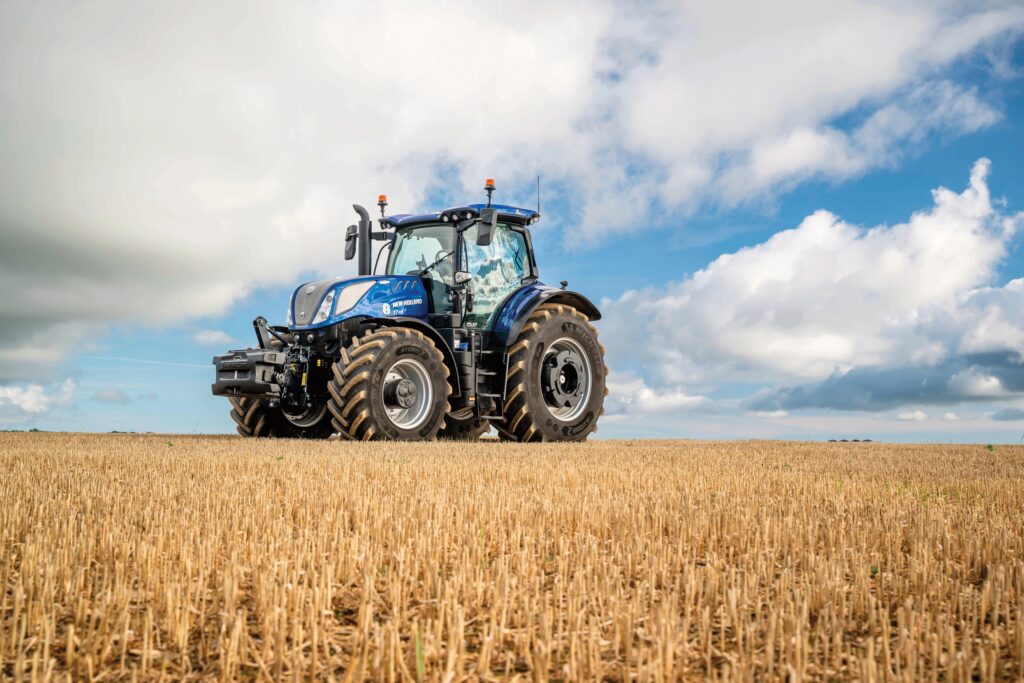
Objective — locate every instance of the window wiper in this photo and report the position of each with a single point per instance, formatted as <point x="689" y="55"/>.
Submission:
<point x="424" y="271"/>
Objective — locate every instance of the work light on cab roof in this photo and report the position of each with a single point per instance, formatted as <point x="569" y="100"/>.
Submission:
<point x="454" y="336"/>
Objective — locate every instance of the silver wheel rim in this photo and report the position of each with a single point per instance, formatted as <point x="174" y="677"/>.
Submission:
<point x="308" y="418"/>
<point x="573" y="377"/>
<point x="407" y="393"/>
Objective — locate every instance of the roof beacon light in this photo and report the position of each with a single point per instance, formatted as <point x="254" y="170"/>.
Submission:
<point x="382" y="202"/>
<point x="489" y="187"/>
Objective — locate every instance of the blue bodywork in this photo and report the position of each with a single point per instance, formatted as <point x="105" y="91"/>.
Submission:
<point x="391" y="296"/>
<point x="518" y="307"/>
<point x="520" y="303"/>
<point x="405" y="296"/>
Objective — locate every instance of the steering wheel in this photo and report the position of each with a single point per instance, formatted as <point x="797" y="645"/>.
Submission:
<point x="443" y="266"/>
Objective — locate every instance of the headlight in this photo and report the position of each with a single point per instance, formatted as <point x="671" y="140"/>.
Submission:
<point x="350" y="296"/>
<point x="347" y="297"/>
<point x="325" y="308"/>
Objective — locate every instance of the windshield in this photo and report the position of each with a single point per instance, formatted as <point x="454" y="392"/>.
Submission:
<point x="418" y="247"/>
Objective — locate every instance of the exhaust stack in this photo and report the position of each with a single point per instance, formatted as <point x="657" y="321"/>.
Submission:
<point x="363" y="240"/>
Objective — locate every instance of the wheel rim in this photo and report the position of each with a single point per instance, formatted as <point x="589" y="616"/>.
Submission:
<point x="408" y="394"/>
<point x="565" y="379"/>
<point x="309" y="417"/>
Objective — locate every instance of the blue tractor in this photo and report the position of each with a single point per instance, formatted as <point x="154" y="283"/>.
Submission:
<point x="457" y="335"/>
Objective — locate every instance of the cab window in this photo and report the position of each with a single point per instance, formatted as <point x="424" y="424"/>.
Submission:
<point x="427" y="249"/>
<point x="421" y="247"/>
<point x="498" y="270"/>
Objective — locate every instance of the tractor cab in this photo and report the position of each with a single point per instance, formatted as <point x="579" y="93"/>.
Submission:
<point x="492" y="260"/>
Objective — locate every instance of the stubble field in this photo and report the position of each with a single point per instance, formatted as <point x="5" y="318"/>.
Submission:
<point x="125" y="557"/>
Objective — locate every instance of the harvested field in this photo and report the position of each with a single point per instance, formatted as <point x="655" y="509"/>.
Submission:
<point x="126" y="557"/>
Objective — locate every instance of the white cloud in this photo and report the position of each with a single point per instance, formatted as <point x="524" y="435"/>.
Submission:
<point x="824" y="296"/>
<point x="34" y="399"/>
<point x="112" y="397"/>
<point x="950" y="417"/>
<point x="828" y="152"/>
<point x="214" y="338"/>
<point x="973" y="382"/>
<point x="913" y="416"/>
<point x="628" y="394"/>
<point x="211" y="152"/>
<point x="828" y="301"/>
<point x="771" y="414"/>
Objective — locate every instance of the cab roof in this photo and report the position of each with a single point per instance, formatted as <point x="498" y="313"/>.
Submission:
<point x="509" y="214"/>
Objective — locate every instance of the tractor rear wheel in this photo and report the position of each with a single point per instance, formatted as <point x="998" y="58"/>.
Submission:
<point x="464" y="429"/>
<point x="556" y="378"/>
<point x="390" y="384"/>
<point x="254" y="418"/>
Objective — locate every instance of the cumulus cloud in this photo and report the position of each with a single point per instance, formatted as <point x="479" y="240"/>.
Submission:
<point x="111" y="397"/>
<point x="771" y="414"/>
<point x="628" y="394"/>
<point x="913" y="416"/>
<point x="31" y="400"/>
<point x="214" y="338"/>
<point x="117" y="397"/>
<point x="887" y="134"/>
<point x="833" y="315"/>
<point x="170" y="159"/>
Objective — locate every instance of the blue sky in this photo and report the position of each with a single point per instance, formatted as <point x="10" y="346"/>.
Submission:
<point x="179" y="175"/>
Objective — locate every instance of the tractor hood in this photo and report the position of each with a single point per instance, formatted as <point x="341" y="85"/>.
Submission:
<point x="326" y="302"/>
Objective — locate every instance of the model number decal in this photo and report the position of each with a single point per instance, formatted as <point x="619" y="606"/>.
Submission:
<point x="398" y="307"/>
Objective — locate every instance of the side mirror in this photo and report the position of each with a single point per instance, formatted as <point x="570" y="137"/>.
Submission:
<point x="485" y="228"/>
<point x="350" y="242"/>
<point x="462" y="277"/>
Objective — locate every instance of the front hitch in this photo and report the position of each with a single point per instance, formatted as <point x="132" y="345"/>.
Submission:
<point x="264" y="333"/>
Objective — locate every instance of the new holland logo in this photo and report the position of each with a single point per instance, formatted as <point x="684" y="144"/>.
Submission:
<point x="386" y="308"/>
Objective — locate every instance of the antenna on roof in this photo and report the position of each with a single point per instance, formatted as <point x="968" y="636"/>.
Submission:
<point x="538" y="193"/>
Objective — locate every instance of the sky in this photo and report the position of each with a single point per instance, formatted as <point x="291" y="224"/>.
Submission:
<point x="800" y="219"/>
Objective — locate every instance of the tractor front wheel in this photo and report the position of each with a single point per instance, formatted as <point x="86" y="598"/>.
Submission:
<point x="390" y="384"/>
<point x="255" y="418"/>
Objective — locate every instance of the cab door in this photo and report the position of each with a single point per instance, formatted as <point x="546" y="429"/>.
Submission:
<point x="498" y="270"/>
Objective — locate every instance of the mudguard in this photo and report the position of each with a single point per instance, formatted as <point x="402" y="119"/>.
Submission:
<point x="517" y="309"/>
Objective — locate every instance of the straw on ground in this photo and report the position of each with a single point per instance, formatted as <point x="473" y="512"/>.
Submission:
<point x="126" y="557"/>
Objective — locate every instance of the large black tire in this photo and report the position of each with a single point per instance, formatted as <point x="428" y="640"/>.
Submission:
<point x="527" y="411"/>
<point x="464" y="429"/>
<point x="254" y="418"/>
<point x="357" y="402"/>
